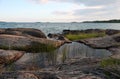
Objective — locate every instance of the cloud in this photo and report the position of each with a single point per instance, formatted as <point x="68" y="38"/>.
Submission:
<point x="88" y="9"/>
<point x="86" y="2"/>
<point x="98" y="9"/>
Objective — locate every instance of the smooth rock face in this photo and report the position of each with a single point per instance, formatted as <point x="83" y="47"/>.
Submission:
<point x="23" y="32"/>
<point x="103" y="42"/>
<point x="13" y="40"/>
<point x="9" y="56"/>
<point x="21" y="41"/>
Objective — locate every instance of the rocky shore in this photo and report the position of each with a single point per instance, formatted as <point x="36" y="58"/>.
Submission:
<point x="112" y="43"/>
<point x="24" y="36"/>
<point x="76" y="68"/>
<point x="111" y="40"/>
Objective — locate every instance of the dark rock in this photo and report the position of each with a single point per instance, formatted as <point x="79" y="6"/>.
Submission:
<point x="117" y="38"/>
<point x="61" y="38"/>
<point x="58" y="37"/>
<point x="112" y="32"/>
<point x="55" y="36"/>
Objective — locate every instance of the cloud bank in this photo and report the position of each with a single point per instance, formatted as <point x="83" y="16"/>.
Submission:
<point x="86" y="9"/>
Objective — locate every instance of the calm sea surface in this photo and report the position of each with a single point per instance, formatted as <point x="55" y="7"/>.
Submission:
<point x="58" y="27"/>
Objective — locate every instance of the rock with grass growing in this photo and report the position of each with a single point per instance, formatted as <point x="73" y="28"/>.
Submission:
<point x="102" y="42"/>
<point x="23" y="43"/>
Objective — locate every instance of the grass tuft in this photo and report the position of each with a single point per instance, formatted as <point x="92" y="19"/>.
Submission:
<point x="80" y="36"/>
<point x="34" y="47"/>
<point x="110" y="62"/>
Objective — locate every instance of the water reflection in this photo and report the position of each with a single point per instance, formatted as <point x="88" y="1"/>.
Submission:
<point x="68" y="51"/>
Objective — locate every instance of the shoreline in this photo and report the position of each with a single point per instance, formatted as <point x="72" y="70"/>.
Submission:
<point x="72" y="67"/>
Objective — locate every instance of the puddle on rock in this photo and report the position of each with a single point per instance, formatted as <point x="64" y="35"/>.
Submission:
<point x="74" y="50"/>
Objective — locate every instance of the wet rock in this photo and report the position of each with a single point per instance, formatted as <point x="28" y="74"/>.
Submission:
<point x="9" y="56"/>
<point x="23" y="32"/>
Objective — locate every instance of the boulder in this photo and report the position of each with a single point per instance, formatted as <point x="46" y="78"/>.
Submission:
<point x="55" y="36"/>
<point x="58" y="37"/>
<point x="22" y="41"/>
<point x="9" y="56"/>
<point x="23" y="32"/>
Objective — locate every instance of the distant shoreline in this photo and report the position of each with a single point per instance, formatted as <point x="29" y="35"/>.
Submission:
<point x="104" y="21"/>
<point x="97" y="21"/>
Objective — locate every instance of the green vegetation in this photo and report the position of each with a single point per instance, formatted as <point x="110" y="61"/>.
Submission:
<point x="35" y="47"/>
<point x="73" y="37"/>
<point x="105" y="21"/>
<point x="38" y="47"/>
<point x="110" y="62"/>
<point x="111" y="67"/>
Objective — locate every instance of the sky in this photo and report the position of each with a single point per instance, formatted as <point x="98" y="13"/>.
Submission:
<point x="58" y="10"/>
